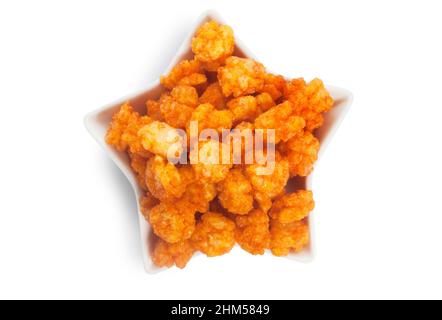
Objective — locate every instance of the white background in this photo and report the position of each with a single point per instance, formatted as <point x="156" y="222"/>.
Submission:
<point x="68" y="226"/>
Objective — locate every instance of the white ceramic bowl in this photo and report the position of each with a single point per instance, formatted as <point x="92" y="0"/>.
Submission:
<point x="98" y="121"/>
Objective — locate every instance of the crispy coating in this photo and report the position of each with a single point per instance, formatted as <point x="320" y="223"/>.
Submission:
<point x="185" y="95"/>
<point x="243" y="133"/>
<point x="264" y="102"/>
<point x="241" y="76"/>
<point x="253" y="232"/>
<point x="123" y="130"/>
<point x="207" y="117"/>
<point x="164" y="180"/>
<point x="138" y="165"/>
<point x="245" y="126"/>
<point x="288" y="237"/>
<point x="274" y="85"/>
<point x="212" y="44"/>
<point x="154" y="110"/>
<point x="214" y="95"/>
<point x="309" y="101"/>
<point x="212" y="162"/>
<point x="176" y="108"/>
<point x="147" y="202"/>
<point x="244" y="108"/>
<point x="173" y="221"/>
<point x="130" y="135"/>
<point x="270" y="185"/>
<point x="281" y="120"/>
<point x="214" y="235"/>
<point x="264" y="201"/>
<point x="175" y="114"/>
<point x="196" y="79"/>
<point x="199" y="192"/>
<point x="293" y="207"/>
<point x="301" y="152"/>
<point x="187" y="72"/>
<point x="120" y="122"/>
<point x="162" y="139"/>
<point x="235" y="192"/>
<point x="165" y="255"/>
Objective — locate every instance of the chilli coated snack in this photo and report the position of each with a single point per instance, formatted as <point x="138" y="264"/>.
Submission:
<point x="193" y="201"/>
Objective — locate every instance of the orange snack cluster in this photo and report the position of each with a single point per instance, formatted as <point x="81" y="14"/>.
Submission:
<point x="166" y="254"/>
<point x="214" y="95"/>
<point x="252" y="232"/>
<point x="309" y="100"/>
<point x="241" y="76"/>
<point x="213" y="44"/>
<point x="176" y="108"/>
<point x="214" y="234"/>
<point x="235" y="192"/>
<point x="292" y="207"/>
<point x="185" y="73"/>
<point x="288" y="237"/>
<point x="173" y="221"/>
<point x="199" y="204"/>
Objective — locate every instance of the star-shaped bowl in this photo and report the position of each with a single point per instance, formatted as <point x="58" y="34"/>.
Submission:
<point x="98" y="121"/>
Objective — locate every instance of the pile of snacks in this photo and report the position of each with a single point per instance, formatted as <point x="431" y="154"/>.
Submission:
<point x="209" y="207"/>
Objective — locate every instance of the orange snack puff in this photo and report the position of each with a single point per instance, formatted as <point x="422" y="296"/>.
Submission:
<point x="123" y="130"/>
<point x="264" y="200"/>
<point x="172" y="221"/>
<point x="274" y="85"/>
<point x="165" y="255"/>
<point x="241" y="76"/>
<point x="293" y="207"/>
<point x="244" y="108"/>
<point x="187" y="72"/>
<point x="161" y="139"/>
<point x="242" y="134"/>
<point x="309" y="101"/>
<point x="208" y="117"/>
<point x="176" y="108"/>
<point x="154" y="110"/>
<point x="207" y="162"/>
<point x="120" y="122"/>
<point x="288" y="237"/>
<point x="199" y="192"/>
<point x="131" y="138"/>
<point x="253" y="232"/>
<point x="266" y="187"/>
<point x="163" y="179"/>
<point x="175" y="114"/>
<point x="270" y="184"/>
<point x="186" y="95"/>
<point x="280" y="119"/>
<point x="264" y="102"/>
<point x="212" y="44"/>
<point x="214" y="235"/>
<point x="214" y="96"/>
<point x="302" y="152"/>
<point x="235" y="193"/>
